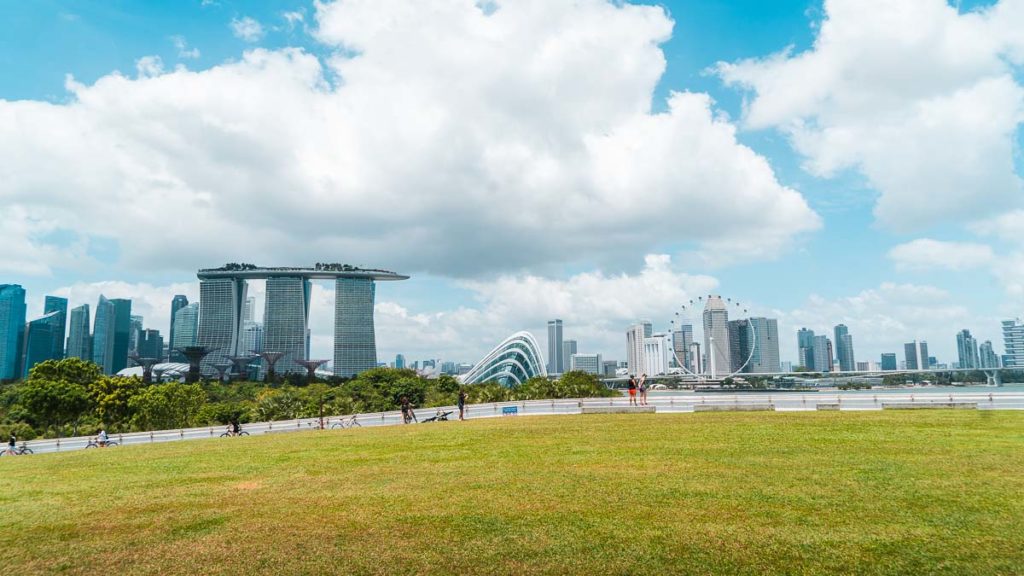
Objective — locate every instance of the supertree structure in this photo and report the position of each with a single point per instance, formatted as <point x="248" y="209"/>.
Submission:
<point x="147" y="366"/>
<point x="194" y="355"/>
<point x="223" y="369"/>
<point x="311" y="366"/>
<point x="271" y="359"/>
<point x="241" y="364"/>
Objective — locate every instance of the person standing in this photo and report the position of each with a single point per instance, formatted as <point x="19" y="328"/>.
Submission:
<point x="632" y="391"/>
<point x="642" y="386"/>
<point x="462" y="404"/>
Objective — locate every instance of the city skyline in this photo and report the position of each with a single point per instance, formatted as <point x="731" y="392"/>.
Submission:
<point x="617" y="217"/>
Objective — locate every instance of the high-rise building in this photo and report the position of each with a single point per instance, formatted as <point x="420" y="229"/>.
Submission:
<point x="249" y="310"/>
<point x="122" y="333"/>
<point x="1013" y="342"/>
<point x="716" y="336"/>
<point x="556" y="360"/>
<point x="823" y="354"/>
<point x="134" y="333"/>
<point x="177" y="303"/>
<point x="696" y="359"/>
<point x="103" y="335"/>
<point x="79" y="338"/>
<point x="285" y="321"/>
<point x="805" y="348"/>
<point x="399" y="361"/>
<point x="635" y="362"/>
<point x="916" y="354"/>
<point x="608" y="367"/>
<point x="251" y="343"/>
<point x="967" y="350"/>
<point x="151" y="344"/>
<point x="12" y="326"/>
<point x="355" y="342"/>
<point x="59" y="321"/>
<point x="220" y="319"/>
<point x="589" y="363"/>
<point x="987" y="357"/>
<point x="656" y="353"/>
<point x="186" y="329"/>
<point x="844" y="349"/>
<point x="681" y="340"/>
<point x="569" y="347"/>
<point x="765" y="358"/>
<point x="37" y="343"/>
<point x="741" y="345"/>
<point x="888" y="361"/>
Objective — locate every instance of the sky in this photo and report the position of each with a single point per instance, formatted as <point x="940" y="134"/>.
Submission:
<point x="847" y="161"/>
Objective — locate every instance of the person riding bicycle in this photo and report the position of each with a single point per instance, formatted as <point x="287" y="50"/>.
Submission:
<point x="11" y="443"/>
<point x="236" y="428"/>
<point x="407" y="413"/>
<point x="101" y="438"/>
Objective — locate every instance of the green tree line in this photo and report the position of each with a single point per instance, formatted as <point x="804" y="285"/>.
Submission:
<point x="73" y="397"/>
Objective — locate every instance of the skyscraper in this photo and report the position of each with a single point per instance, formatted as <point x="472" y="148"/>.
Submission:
<point x="569" y="347"/>
<point x="12" y="325"/>
<point x="220" y="319"/>
<point x="122" y="333"/>
<point x="844" y="348"/>
<point x="399" y="361"/>
<point x="134" y="333"/>
<point x="37" y="343"/>
<point x="681" y="340"/>
<point x="765" y="358"/>
<point x="741" y="345"/>
<point x="823" y="354"/>
<point x="1013" y="341"/>
<point x="103" y="335"/>
<point x="151" y="344"/>
<point x="249" y="310"/>
<point x="285" y="320"/>
<point x="967" y="350"/>
<point x="635" y="361"/>
<point x="59" y="321"/>
<point x="79" y="338"/>
<point x="355" y="341"/>
<point x="656" y="353"/>
<point x="805" y="348"/>
<point x="186" y="329"/>
<point x="888" y="361"/>
<point x="177" y="303"/>
<point x="987" y="356"/>
<point x="556" y="361"/>
<point x="716" y="336"/>
<point x="916" y="355"/>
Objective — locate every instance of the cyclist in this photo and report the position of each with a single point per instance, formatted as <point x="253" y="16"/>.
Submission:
<point x="407" y="413"/>
<point x="236" y="428"/>
<point x="101" y="438"/>
<point x="11" y="444"/>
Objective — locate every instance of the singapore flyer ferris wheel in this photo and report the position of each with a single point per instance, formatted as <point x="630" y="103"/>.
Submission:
<point x="728" y="339"/>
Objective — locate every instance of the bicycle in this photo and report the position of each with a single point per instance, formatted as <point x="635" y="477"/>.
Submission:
<point x="97" y="444"/>
<point x="22" y="450"/>
<point x="231" y="433"/>
<point x="347" y="423"/>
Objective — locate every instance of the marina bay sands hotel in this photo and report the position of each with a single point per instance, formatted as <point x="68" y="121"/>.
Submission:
<point x="222" y="298"/>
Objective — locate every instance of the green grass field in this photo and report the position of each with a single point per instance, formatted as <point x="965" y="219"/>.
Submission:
<point x="799" y="493"/>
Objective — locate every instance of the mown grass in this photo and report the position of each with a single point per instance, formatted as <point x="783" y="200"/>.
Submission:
<point x="797" y="493"/>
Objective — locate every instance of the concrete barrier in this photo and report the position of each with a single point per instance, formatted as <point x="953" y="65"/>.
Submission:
<point x="828" y="406"/>
<point x="617" y="409"/>
<point x="929" y="405"/>
<point x="733" y="407"/>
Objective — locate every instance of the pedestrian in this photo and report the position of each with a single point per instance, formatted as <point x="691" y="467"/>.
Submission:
<point x="462" y="404"/>
<point x="632" y="391"/>
<point x="642" y="386"/>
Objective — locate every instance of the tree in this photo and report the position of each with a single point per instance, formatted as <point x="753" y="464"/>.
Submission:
<point x="166" y="406"/>
<point x="111" y="396"/>
<point x="54" y="403"/>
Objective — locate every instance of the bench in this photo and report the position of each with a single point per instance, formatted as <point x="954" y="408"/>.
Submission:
<point x="733" y="407"/>
<point x="617" y="409"/>
<point x="828" y="406"/>
<point x="929" y="405"/>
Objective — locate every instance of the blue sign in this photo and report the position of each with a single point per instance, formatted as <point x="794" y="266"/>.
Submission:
<point x="509" y="410"/>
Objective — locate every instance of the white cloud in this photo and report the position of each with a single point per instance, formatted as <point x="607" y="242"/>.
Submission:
<point x="149" y="66"/>
<point x="247" y="29"/>
<point x="443" y="140"/>
<point x="293" y="19"/>
<point x="183" y="50"/>
<point x="883" y="319"/>
<point x="928" y="254"/>
<point x="919" y="98"/>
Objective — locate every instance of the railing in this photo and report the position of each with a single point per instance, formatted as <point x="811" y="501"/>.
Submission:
<point x="675" y="403"/>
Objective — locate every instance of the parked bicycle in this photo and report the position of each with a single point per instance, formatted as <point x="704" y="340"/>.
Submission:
<point x="439" y="417"/>
<point x="347" y="423"/>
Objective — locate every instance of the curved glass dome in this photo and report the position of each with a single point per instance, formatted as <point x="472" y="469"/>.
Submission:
<point x="514" y="361"/>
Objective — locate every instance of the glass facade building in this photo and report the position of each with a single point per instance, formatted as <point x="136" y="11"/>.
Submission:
<point x="888" y="361"/>
<point x="103" y="335"/>
<point x="79" y="339"/>
<point x="220" y="315"/>
<point x="186" y="328"/>
<point x="355" y="344"/>
<point x="12" y="326"/>
<point x="122" y="334"/>
<point x="38" y="342"/>
<point x="967" y="350"/>
<point x="844" y="348"/>
<point x="177" y="303"/>
<point x="1013" y="341"/>
<point x="716" y="336"/>
<point x="151" y="344"/>
<point x="556" y="360"/>
<point x="285" y="321"/>
<point x="59" y="308"/>
<point x="514" y="361"/>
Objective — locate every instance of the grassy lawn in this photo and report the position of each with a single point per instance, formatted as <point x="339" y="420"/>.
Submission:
<point x="798" y="493"/>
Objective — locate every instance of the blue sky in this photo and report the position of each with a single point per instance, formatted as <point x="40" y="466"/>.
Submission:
<point x="853" y="248"/>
